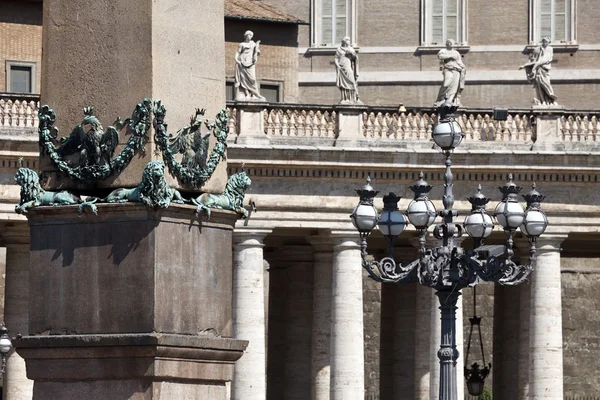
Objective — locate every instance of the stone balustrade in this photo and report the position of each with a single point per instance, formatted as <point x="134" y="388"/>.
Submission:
<point x="18" y="111"/>
<point x="282" y="121"/>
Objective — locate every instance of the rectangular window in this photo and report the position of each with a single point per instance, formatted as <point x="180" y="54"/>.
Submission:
<point x="554" y="19"/>
<point x="332" y="21"/>
<point x="443" y="20"/>
<point x="270" y="92"/>
<point x="20" y="77"/>
<point x="229" y="91"/>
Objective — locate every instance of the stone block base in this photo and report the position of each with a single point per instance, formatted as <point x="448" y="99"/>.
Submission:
<point x="130" y="366"/>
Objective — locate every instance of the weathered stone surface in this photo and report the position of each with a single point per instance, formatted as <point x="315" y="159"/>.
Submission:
<point x="137" y="366"/>
<point x="132" y="50"/>
<point x="138" y="270"/>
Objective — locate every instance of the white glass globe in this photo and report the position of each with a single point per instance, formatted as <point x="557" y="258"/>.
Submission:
<point x="364" y="218"/>
<point x="5" y="345"/>
<point x="510" y="214"/>
<point x="392" y="223"/>
<point x="421" y="213"/>
<point x="535" y="223"/>
<point x="479" y="225"/>
<point x="447" y="135"/>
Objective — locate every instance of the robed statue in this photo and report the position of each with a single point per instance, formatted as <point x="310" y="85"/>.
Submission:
<point x="538" y="73"/>
<point x="346" y="68"/>
<point x="454" y="72"/>
<point x="246" y="57"/>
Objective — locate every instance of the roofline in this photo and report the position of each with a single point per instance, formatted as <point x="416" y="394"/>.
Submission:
<point x="279" y="21"/>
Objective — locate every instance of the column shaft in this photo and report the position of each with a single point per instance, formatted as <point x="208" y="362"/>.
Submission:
<point x="249" y="378"/>
<point x="16" y="312"/>
<point x="321" y="318"/>
<point x="347" y="353"/>
<point x="423" y="340"/>
<point x="545" y="341"/>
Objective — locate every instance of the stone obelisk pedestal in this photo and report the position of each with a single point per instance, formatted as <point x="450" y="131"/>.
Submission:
<point x="133" y="303"/>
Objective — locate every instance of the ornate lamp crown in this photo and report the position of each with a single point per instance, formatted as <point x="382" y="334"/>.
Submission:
<point x="533" y="198"/>
<point x="367" y="193"/>
<point x="421" y="188"/>
<point x="510" y="189"/>
<point x="390" y="201"/>
<point x="478" y="200"/>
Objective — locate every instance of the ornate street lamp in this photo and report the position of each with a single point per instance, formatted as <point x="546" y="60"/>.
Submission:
<point x="5" y="346"/>
<point x="449" y="268"/>
<point x="476" y="374"/>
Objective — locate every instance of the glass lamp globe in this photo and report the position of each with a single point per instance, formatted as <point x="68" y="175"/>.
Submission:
<point x="447" y="135"/>
<point x="392" y="223"/>
<point x="364" y="218"/>
<point x="421" y="213"/>
<point x="510" y="214"/>
<point x="479" y="224"/>
<point x="535" y="223"/>
<point x="475" y="387"/>
<point x="5" y="345"/>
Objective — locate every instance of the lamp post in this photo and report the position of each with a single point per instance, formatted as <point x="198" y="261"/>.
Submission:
<point x="449" y="268"/>
<point x="5" y="347"/>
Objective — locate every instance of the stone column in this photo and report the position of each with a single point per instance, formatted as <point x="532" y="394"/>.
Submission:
<point x="347" y="352"/>
<point x="545" y="341"/>
<point x="506" y="342"/>
<point x="249" y="377"/>
<point x="321" y="322"/>
<point x="424" y="308"/>
<point x="16" y="311"/>
<point x="524" y="316"/>
<point x="435" y="331"/>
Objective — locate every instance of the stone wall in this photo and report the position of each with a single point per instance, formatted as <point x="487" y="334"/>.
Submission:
<point x="278" y="61"/>
<point x="20" y="36"/>
<point x="581" y="323"/>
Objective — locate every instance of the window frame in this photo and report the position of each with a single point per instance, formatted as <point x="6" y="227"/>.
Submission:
<point x="426" y="39"/>
<point x="535" y="14"/>
<point x="316" y="24"/>
<point x="12" y="63"/>
<point x="278" y="84"/>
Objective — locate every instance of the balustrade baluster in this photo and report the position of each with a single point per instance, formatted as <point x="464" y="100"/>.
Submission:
<point x="2" y="115"/>
<point x="585" y="133"/>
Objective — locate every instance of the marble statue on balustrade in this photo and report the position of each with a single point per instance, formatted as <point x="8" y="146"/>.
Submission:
<point x="346" y="68"/>
<point x="538" y="73"/>
<point x="454" y="72"/>
<point x="246" y="57"/>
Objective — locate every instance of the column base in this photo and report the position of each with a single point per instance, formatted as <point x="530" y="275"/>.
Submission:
<point x="132" y="366"/>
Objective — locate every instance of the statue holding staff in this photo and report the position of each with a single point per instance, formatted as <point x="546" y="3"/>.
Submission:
<point x="246" y="57"/>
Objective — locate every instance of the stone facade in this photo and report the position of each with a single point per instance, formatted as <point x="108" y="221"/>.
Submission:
<point x="278" y="62"/>
<point x="21" y="37"/>
<point x="305" y="163"/>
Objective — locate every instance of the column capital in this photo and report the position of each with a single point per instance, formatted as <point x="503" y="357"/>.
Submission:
<point x="250" y="237"/>
<point x="550" y="242"/>
<point x="15" y="233"/>
<point x="347" y="239"/>
<point x="321" y="243"/>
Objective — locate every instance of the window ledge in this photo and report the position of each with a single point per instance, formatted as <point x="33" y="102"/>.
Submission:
<point x="325" y="50"/>
<point x="557" y="47"/>
<point x="434" y="49"/>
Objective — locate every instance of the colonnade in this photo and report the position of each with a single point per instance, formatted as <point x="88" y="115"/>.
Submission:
<point x="336" y="361"/>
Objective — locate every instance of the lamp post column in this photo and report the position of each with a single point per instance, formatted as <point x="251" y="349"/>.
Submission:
<point x="347" y="342"/>
<point x="448" y="353"/>
<point x="249" y="378"/>
<point x="545" y="340"/>
<point x="321" y="318"/>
